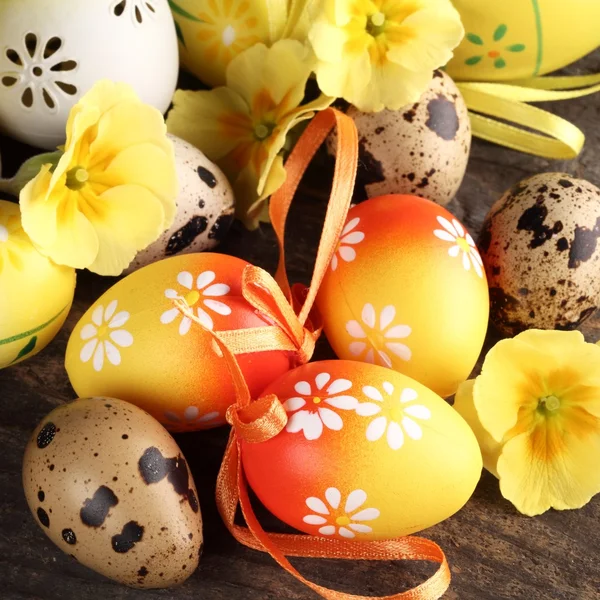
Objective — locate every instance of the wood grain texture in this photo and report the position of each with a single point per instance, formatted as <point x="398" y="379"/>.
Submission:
<point x="494" y="552"/>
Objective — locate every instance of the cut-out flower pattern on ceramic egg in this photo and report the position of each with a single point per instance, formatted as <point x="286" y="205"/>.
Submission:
<point x="138" y="10"/>
<point x="396" y="414"/>
<point x="349" y="238"/>
<point x="313" y="408"/>
<point x="201" y="299"/>
<point x="461" y="241"/>
<point x="39" y="72"/>
<point x="345" y="519"/>
<point x="375" y="339"/>
<point x="191" y="417"/>
<point x="104" y="335"/>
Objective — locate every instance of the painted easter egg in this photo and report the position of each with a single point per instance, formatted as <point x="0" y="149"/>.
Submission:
<point x="35" y="293"/>
<point x="138" y="344"/>
<point x="205" y="208"/>
<point x="517" y="40"/>
<point x="406" y="289"/>
<point x="367" y="454"/>
<point x="110" y="487"/>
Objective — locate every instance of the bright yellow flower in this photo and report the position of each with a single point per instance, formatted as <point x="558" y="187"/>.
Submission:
<point x="243" y="127"/>
<point x="535" y="410"/>
<point x="380" y="54"/>
<point x="113" y="191"/>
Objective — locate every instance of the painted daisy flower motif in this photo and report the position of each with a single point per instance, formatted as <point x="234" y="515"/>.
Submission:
<point x="332" y="517"/>
<point x="396" y="414"/>
<point x="461" y="241"/>
<point x="312" y="408"/>
<point x="199" y="299"/>
<point x="191" y="417"/>
<point x="350" y="237"/>
<point x="104" y="335"/>
<point x="376" y="339"/>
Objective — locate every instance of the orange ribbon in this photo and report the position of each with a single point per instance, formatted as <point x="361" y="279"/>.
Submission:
<point x="260" y="420"/>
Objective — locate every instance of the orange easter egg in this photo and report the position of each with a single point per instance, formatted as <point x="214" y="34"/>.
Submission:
<point x="406" y="289"/>
<point x="136" y="344"/>
<point x="367" y="454"/>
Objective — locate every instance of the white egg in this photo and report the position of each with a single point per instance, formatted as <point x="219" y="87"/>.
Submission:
<point x="205" y="208"/>
<point x="53" y="52"/>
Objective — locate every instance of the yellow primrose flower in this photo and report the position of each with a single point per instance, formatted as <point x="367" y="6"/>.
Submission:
<point x="535" y="410"/>
<point x="243" y="127"/>
<point x="112" y="192"/>
<point x="380" y="54"/>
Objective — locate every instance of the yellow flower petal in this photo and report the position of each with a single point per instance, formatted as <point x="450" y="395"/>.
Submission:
<point x="117" y="209"/>
<point x="39" y="212"/>
<point x="464" y="404"/>
<point x="328" y="41"/>
<point x="348" y="79"/>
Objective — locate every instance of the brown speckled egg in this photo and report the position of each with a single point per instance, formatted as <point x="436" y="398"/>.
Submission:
<point x="420" y="150"/>
<point x="539" y="244"/>
<point x="205" y="208"/>
<point x="109" y="486"/>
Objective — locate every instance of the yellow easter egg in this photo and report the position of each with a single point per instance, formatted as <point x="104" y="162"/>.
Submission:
<point x="367" y="454"/>
<point x="517" y="40"/>
<point x="35" y="293"/>
<point x="212" y="32"/>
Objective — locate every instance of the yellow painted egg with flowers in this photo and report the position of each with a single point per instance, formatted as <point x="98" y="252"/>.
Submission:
<point x="366" y="454"/>
<point x="35" y="293"/>
<point x="406" y="289"/>
<point x="517" y="40"/>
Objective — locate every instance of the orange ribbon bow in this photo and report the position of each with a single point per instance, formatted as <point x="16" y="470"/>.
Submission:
<point x="258" y="421"/>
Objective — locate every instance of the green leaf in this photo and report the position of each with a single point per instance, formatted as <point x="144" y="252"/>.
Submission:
<point x="183" y="13"/>
<point x="500" y="32"/>
<point x="516" y="48"/>
<point x="179" y="34"/>
<point x="28" y="170"/>
<point x="474" y="39"/>
<point x="473" y="60"/>
<point x="27" y="349"/>
<point x="499" y="63"/>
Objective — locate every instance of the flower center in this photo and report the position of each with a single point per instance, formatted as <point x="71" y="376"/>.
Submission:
<point x="102" y="331"/>
<point x="3" y="234"/>
<point x="76" y="178"/>
<point x="192" y="297"/>
<point x="263" y="130"/>
<point x="376" y="24"/>
<point x="228" y="35"/>
<point x="317" y="400"/>
<point x="396" y="413"/>
<point x="493" y="54"/>
<point x="463" y="244"/>
<point x="342" y="521"/>
<point x="549" y="403"/>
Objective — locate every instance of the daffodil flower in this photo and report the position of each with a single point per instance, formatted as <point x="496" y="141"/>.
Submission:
<point x="243" y="126"/>
<point x="113" y="190"/>
<point x="380" y="54"/>
<point x="535" y="410"/>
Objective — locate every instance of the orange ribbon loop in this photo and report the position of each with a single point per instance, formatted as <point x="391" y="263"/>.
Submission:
<point x="256" y="422"/>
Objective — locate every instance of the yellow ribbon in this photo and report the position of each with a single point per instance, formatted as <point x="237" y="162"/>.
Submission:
<point x="500" y="111"/>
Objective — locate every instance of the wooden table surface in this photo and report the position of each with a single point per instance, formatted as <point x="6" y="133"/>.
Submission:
<point x="494" y="552"/>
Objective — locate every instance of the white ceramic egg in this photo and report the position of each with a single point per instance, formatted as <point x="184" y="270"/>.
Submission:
<point x="53" y="52"/>
<point x="205" y="208"/>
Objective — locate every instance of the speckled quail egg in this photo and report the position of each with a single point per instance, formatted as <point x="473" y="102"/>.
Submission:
<point x="539" y="244"/>
<point x="109" y="486"/>
<point x="205" y="208"/>
<point x="421" y="149"/>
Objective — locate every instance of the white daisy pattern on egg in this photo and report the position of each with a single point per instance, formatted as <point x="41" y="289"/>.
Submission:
<point x="104" y="336"/>
<point x="461" y="241"/>
<point x="376" y="339"/>
<point x="202" y="297"/>
<point x="396" y="415"/>
<point x="312" y="408"/>
<point x="346" y="519"/>
<point x="348" y="238"/>
<point x="191" y="417"/>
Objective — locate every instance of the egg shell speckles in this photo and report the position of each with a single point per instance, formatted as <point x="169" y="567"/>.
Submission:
<point x="110" y="487"/>
<point x="421" y="149"/>
<point x="205" y="208"/>
<point x="539" y="246"/>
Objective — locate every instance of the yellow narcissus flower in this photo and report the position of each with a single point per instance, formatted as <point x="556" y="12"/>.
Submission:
<point x="535" y="410"/>
<point x="380" y="54"/>
<point x="112" y="192"/>
<point x="243" y="126"/>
